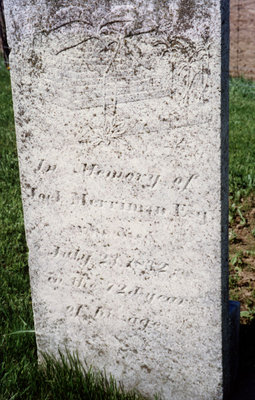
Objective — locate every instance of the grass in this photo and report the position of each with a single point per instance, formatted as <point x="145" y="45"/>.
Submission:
<point x="64" y="378"/>
<point x="242" y="196"/>
<point x="17" y="352"/>
<point x="241" y="139"/>
<point x="20" y="377"/>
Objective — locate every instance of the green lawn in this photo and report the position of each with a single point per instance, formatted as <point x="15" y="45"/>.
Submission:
<point x="20" y="377"/>
<point x="241" y="139"/>
<point x="242" y="196"/>
<point x="17" y="352"/>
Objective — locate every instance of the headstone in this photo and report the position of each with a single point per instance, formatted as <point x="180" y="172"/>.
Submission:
<point x="121" y="120"/>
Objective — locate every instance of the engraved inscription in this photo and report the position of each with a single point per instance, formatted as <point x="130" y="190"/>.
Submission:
<point x="182" y="184"/>
<point x="84" y="312"/>
<point x="91" y="313"/>
<point x="183" y="211"/>
<point x="148" y="297"/>
<point x="45" y="197"/>
<point x="83" y="262"/>
<point x="95" y="170"/>
<point x="45" y="167"/>
<point x="109" y="174"/>
<point x="148" y="265"/>
<point x="180" y="210"/>
<point x="84" y="258"/>
<point x="83" y="199"/>
<point x="109" y="81"/>
<point x="71" y="254"/>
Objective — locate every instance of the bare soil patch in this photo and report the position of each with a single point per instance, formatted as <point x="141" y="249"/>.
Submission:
<point x="242" y="258"/>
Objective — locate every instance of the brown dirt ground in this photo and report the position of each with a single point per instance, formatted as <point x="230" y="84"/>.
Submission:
<point x="242" y="258"/>
<point x="242" y="288"/>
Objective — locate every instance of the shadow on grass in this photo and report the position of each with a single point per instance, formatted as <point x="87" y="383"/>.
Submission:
<point x="244" y="388"/>
<point x="247" y="346"/>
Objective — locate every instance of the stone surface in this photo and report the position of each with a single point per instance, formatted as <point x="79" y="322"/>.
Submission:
<point x="121" y="120"/>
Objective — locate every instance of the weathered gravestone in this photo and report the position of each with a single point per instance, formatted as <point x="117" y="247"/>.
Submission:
<point x="121" y="119"/>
